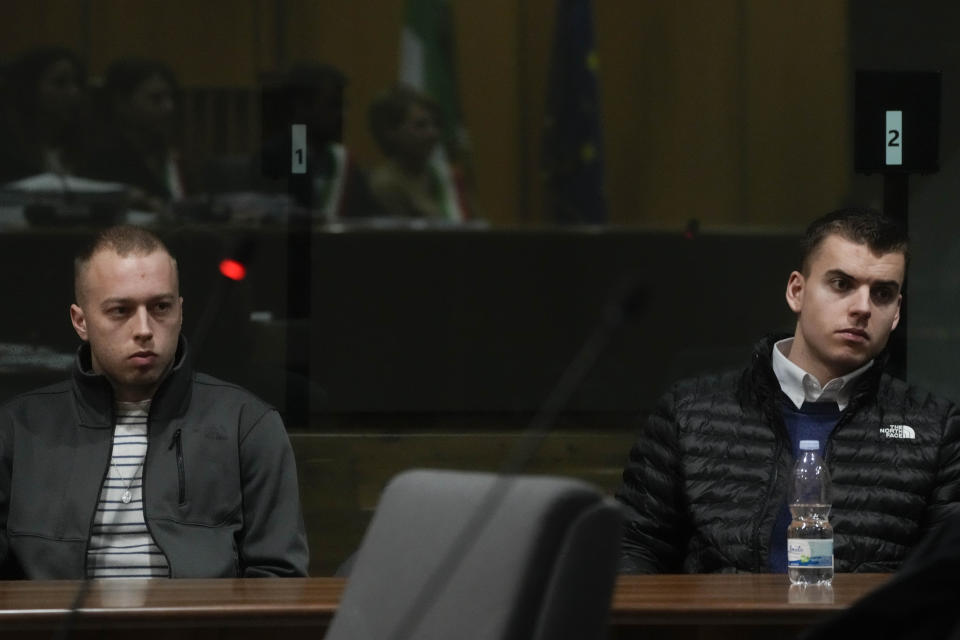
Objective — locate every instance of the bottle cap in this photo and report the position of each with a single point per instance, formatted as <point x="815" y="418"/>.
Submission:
<point x="809" y="445"/>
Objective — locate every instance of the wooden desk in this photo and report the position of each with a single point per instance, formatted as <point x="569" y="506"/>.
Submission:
<point x="728" y="606"/>
<point x="643" y="606"/>
<point x="182" y="609"/>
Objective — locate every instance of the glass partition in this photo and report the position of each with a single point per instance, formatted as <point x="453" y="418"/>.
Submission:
<point x="405" y="218"/>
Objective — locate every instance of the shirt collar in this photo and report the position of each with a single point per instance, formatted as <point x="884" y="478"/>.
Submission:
<point x="800" y="386"/>
<point x="141" y="406"/>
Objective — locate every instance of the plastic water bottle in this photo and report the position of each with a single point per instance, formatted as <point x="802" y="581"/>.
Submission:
<point x="810" y="536"/>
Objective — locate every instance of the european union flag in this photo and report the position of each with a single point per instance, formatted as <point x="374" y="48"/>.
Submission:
<point x="572" y="150"/>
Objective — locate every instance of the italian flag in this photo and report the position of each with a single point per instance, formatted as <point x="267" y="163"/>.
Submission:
<point x="427" y="57"/>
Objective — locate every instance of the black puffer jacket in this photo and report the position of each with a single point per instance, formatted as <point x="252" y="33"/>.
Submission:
<point x="709" y="472"/>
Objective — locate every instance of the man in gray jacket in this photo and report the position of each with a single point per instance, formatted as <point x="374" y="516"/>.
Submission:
<point x="137" y="466"/>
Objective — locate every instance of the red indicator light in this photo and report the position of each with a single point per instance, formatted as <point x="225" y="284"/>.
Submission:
<point x="233" y="269"/>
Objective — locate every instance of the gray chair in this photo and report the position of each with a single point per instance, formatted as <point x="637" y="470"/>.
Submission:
<point x="474" y="555"/>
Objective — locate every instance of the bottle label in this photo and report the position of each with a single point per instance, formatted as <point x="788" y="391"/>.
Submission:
<point x="810" y="553"/>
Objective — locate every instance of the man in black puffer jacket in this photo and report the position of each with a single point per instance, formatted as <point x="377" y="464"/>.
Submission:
<point x="705" y="487"/>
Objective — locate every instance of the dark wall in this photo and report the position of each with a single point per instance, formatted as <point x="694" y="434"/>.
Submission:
<point x="488" y="322"/>
<point x="892" y="35"/>
<point x="446" y="322"/>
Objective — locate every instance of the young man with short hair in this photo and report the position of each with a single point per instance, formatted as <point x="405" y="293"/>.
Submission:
<point x="137" y="466"/>
<point x="705" y="486"/>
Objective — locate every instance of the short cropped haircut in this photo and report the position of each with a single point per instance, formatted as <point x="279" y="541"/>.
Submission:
<point x="124" y="240"/>
<point x="879" y="232"/>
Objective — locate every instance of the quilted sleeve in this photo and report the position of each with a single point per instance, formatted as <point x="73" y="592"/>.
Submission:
<point x="945" y="497"/>
<point x="656" y="531"/>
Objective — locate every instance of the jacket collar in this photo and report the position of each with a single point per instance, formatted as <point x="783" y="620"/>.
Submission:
<point x="763" y="383"/>
<point x="800" y="386"/>
<point x="94" y="394"/>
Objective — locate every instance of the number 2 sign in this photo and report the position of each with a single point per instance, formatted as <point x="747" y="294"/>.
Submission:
<point x="893" y="140"/>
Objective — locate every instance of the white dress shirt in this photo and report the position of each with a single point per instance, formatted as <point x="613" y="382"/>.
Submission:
<point x="800" y="386"/>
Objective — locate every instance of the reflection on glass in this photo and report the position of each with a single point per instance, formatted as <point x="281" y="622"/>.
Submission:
<point x="124" y="594"/>
<point x="810" y="594"/>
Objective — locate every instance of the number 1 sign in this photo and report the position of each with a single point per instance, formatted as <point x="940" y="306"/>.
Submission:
<point x="298" y="147"/>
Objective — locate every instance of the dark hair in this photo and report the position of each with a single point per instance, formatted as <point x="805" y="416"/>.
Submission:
<point x="123" y="240"/>
<point x="881" y="233"/>
<point x="125" y="76"/>
<point x="389" y="110"/>
<point x="22" y="76"/>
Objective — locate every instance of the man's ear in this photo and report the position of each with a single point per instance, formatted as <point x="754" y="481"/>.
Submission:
<point x="896" y="316"/>
<point x="79" y="321"/>
<point x="795" y="286"/>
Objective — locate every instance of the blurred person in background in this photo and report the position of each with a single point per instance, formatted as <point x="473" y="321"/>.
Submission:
<point x="415" y="180"/>
<point x="136" y="142"/>
<point x="43" y="114"/>
<point x="333" y="185"/>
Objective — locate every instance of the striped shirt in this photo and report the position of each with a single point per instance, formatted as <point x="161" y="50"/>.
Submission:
<point x="120" y="543"/>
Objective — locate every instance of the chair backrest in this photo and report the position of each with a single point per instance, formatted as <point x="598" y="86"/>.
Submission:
<point x="473" y="555"/>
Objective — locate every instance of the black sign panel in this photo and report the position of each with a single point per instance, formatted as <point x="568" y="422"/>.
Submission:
<point x="897" y="121"/>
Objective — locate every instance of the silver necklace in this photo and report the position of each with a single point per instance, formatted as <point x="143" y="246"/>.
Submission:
<point x="127" y="495"/>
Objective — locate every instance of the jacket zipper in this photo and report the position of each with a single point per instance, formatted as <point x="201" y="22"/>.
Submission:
<point x="776" y="474"/>
<point x="181" y="484"/>
<point x="143" y="489"/>
<point x="855" y="405"/>
<point x="766" y="500"/>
